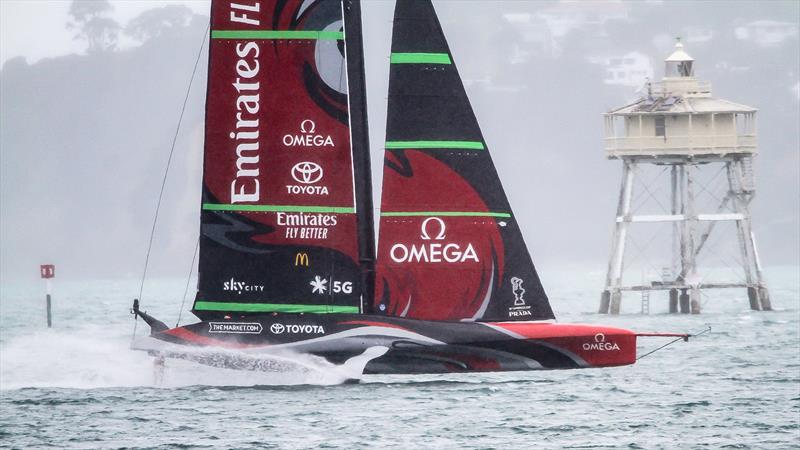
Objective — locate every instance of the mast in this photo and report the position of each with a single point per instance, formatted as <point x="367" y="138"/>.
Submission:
<point x="359" y="132"/>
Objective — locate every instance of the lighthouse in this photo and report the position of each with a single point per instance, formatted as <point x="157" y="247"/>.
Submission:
<point x="680" y="129"/>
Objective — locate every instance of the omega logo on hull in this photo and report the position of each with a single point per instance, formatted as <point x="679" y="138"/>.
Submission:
<point x="600" y="344"/>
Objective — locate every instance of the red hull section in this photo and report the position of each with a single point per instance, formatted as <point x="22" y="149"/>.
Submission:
<point x="599" y="346"/>
<point x="415" y="346"/>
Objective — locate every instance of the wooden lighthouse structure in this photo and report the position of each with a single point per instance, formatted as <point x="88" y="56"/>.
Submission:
<point x="680" y="127"/>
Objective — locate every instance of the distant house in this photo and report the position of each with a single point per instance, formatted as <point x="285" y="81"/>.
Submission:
<point x="549" y="26"/>
<point x="697" y="35"/>
<point x="767" y="33"/>
<point x="631" y="69"/>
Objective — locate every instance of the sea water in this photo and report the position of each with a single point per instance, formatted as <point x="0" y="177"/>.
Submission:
<point x="78" y="385"/>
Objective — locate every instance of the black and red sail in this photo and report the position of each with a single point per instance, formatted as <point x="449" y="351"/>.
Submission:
<point x="279" y="228"/>
<point x="449" y="247"/>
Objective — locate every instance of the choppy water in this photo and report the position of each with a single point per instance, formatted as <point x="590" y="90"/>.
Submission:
<point x="78" y="386"/>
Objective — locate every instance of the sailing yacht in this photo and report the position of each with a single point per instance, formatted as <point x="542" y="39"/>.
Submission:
<point x="287" y="258"/>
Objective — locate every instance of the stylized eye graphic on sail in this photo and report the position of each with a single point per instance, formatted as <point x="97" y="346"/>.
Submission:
<point x="329" y="58"/>
<point x="325" y="76"/>
<point x="441" y="288"/>
<point x="328" y="54"/>
<point x="438" y="266"/>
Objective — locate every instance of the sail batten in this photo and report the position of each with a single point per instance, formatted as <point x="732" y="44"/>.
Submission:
<point x="465" y="145"/>
<point x="449" y="246"/>
<point x="420" y="58"/>
<point x="274" y="307"/>
<point x="277" y="34"/>
<point x="277" y="208"/>
<point x="444" y="214"/>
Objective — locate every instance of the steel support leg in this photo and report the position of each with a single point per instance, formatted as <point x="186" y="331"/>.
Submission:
<point x="673" y="301"/>
<point x="616" y="302"/>
<point x="605" y="302"/>
<point x="684" y="301"/>
<point x="616" y="263"/>
<point x="694" y="300"/>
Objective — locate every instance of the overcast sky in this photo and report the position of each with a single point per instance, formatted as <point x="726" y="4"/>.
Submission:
<point x="97" y="127"/>
<point x="22" y="23"/>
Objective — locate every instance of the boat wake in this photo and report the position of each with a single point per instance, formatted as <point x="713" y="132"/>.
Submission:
<point x="88" y="358"/>
<point x="190" y="366"/>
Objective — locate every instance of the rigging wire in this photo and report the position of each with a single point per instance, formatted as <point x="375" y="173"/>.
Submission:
<point x="707" y="185"/>
<point x="682" y="338"/>
<point x="648" y="193"/>
<point x="169" y="163"/>
<point x="188" y="280"/>
<point x="640" y="250"/>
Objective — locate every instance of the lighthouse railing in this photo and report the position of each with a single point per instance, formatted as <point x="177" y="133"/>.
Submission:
<point x="680" y="145"/>
<point x="684" y="87"/>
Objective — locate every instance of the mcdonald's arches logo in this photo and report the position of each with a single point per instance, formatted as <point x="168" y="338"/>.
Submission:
<point x="301" y="259"/>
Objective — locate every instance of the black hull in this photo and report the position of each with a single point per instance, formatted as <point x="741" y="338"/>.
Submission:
<point x="414" y="346"/>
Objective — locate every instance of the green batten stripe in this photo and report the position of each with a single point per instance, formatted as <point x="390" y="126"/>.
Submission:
<point x="420" y="58"/>
<point x="468" y="145"/>
<point x="444" y="213"/>
<point x="273" y="307"/>
<point x="277" y="34"/>
<point x="278" y="208"/>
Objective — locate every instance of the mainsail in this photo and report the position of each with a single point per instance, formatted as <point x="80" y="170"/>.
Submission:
<point x="279" y="228"/>
<point x="449" y="246"/>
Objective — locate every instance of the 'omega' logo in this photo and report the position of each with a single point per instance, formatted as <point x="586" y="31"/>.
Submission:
<point x="308" y="126"/>
<point x="433" y="252"/>
<point x="600" y="344"/>
<point x="426" y="236"/>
